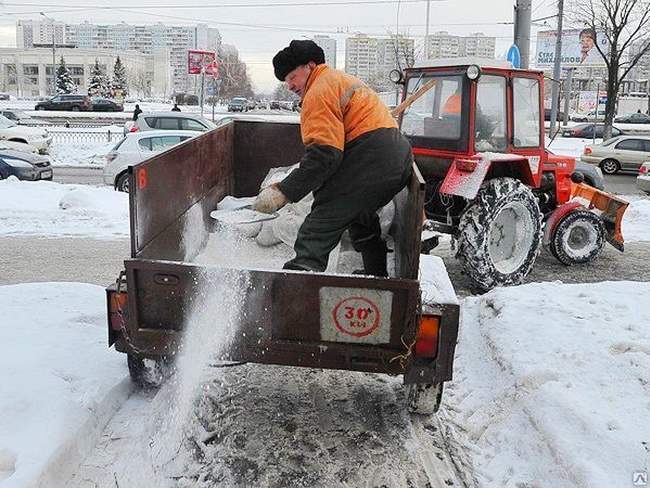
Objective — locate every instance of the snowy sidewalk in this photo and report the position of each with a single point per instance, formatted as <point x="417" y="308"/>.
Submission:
<point x="551" y="385"/>
<point x="61" y="384"/>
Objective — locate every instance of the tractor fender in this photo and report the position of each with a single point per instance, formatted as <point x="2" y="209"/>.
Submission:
<point x="466" y="175"/>
<point x="555" y="218"/>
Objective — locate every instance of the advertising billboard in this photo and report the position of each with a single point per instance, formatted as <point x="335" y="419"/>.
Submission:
<point x="198" y="61"/>
<point x="578" y="48"/>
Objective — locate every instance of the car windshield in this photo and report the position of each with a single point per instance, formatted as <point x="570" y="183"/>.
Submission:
<point x="437" y="120"/>
<point x="5" y="122"/>
<point x="207" y="122"/>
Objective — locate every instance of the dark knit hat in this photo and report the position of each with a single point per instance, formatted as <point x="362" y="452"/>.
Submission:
<point x="297" y="54"/>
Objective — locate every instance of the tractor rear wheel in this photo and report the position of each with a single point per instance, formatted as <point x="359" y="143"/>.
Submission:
<point x="500" y="234"/>
<point x="578" y="238"/>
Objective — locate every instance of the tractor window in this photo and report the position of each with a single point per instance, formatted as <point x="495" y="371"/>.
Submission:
<point x="437" y="120"/>
<point x="490" y="117"/>
<point x="526" y="112"/>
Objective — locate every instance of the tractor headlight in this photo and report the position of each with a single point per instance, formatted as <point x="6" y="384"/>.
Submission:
<point x="473" y="72"/>
<point x="396" y="76"/>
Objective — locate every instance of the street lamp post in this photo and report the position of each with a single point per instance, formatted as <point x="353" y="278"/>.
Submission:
<point x="53" y="53"/>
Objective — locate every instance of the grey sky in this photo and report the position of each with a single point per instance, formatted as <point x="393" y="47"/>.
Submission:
<point x="258" y="45"/>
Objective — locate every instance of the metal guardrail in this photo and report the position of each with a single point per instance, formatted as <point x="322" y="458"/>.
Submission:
<point x="85" y="136"/>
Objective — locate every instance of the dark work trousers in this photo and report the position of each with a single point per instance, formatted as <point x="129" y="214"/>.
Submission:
<point x="355" y="208"/>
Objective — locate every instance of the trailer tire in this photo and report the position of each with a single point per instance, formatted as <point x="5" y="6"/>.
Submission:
<point x="578" y="238"/>
<point x="490" y="256"/>
<point x="148" y="373"/>
<point x="424" y="398"/>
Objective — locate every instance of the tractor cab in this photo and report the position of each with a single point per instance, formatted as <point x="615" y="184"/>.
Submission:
<point x="475" y="107"/>
<point x="477" y="132"/>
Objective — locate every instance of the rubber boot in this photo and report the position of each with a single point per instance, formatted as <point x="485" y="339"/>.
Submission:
<point x="374" y="261"/>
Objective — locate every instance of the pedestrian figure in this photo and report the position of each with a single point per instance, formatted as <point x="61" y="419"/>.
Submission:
<point x="175" y="108"/>
<point x="136" y="112"/>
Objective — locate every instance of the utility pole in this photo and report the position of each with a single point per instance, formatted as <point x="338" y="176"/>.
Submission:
<point x="522" y="30"/>
<point x="53" y="52"/>
<point x="568" y="82"/>
<point x="555" y="101"/>
<point x="426" y="32"/>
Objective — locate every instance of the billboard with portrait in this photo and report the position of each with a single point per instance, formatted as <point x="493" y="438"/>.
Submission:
<point x="199" y="60"/>
<point x="578" y="48"/>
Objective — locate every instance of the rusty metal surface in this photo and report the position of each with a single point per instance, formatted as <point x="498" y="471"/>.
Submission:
<point x="409" y="214"/>
<point x="280" y="326"/>
<point x="260" y="146"/>
<point x="164" y="189"/>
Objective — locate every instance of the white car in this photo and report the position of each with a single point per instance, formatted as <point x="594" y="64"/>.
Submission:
<point x="37" y="137"/>
<point x="137" y="147"/>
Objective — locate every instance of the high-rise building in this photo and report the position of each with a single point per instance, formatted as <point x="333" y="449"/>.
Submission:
<point x="177" y="40"/>
<point x="328" y="45"/>
<point x="361" y="56"/>
<point x="29" y="32"/>
<point x="372" y="58"/>
<point x="444" y="45"/>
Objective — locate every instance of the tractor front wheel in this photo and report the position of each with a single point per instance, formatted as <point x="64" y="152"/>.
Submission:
<point x="578" y="238"/>
<point x="500" y="234"/>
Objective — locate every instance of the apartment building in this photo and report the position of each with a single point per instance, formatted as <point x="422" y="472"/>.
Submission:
<point x="145" y="39"/>
<point x="328" y="45"/>
<point x="444" y="45"/>
<point x="372" y="58"/>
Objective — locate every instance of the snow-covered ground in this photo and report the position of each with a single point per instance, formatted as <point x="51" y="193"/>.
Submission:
<point x="552" y="385"/>
<point x="80" y="154"/>
<point x="60" y="383"/>
<point x="56" y="210"/>
<point x="51" y="209"/>
<point x="558" y="399"/>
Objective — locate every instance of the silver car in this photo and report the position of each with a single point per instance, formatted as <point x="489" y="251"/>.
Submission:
<point x="137" y="147"/>
<point x="169" y="121"/>
<point x="618" y="153"/>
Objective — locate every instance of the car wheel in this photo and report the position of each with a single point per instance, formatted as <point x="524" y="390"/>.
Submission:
<point x="122" y="183"/>
<point x="610" y="166"/>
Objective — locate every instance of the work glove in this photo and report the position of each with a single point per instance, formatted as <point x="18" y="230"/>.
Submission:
<point x="270" y="200"/>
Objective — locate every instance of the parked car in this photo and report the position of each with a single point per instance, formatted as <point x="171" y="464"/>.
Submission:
<point x="135" y="148"/>
<point x="21" y="118"/>
<point x="588" y="117"/>
<point x="5" y="96"/>
<point x="18" y="146"/>
<point x="74" y="103"/>
<point x="586" y="131"/>
<point x="635" y="118"/>
<point x="37" y="137"/>
<point x="106" y="105"/>
<point x="24" y="166"/>
<point x="169" y="121"/>
<point x="274" y="105"/>
<point x="547" y="115"/>
<point x="238" y="104"/>
<point x="618" y="153"/>
<point x="592" y="174"/>
<point x="643" y="178"/>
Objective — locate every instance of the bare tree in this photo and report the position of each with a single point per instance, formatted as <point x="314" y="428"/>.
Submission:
<point x="626" y="25"/>
<point x="233" y="74"/>
<point x="282" y="93"/>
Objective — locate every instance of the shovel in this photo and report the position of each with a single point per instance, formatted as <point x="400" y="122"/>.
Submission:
<point x="244" y="214"/>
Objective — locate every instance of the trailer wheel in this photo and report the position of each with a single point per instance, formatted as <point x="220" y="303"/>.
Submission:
<point x="578" y="238"/>
<point x="500" y="234"/>
<point x="149" y="373"/>
<point x="423" y="398"/>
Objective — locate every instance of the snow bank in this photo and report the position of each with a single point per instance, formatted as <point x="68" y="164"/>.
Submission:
<point x="551" y="384"/>
<point x="636" y="220"/>
<point x="60" y="382"/>
<point x="58" y="210"/>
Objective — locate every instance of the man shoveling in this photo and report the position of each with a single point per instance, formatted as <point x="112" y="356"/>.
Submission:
<point x="356" y="160"/>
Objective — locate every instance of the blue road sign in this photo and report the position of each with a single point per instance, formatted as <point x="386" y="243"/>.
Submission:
<point x="514" y="56"/>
